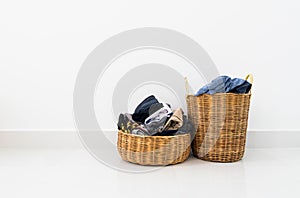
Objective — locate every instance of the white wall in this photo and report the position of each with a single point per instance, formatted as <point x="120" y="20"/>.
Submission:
<point x="42" y="46"/>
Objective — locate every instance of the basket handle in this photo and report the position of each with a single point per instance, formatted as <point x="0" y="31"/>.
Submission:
<point x="249" y="78"/>
<point x="186" y="86"/>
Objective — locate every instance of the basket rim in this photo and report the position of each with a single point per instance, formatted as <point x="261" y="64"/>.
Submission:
<point x="166" y="136"/>
<point x="216" y="94"/>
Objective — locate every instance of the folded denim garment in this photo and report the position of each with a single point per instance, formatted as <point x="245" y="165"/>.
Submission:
<point x="142" y="110"/>
<point x="239" y="86"/>
<point x="224" y="84"/>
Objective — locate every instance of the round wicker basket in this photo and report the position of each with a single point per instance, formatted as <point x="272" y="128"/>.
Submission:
<point x="154" y="150"/>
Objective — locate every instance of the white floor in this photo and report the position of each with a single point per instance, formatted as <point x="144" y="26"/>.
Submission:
<point x="75" y="173"/>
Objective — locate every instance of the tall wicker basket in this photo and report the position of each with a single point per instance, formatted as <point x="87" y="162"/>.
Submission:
<point x="154" y="150"/>
<point x="221" y="124"/>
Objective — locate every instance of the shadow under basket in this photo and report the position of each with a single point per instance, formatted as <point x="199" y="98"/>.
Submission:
<point x="153" y="150"/>
<point x="221" y="124"/>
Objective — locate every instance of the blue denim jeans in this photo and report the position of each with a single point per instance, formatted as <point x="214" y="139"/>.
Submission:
<point x="224" y="84"/>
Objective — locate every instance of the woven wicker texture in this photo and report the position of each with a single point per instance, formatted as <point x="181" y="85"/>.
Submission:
<point x="221" y="125"/>
<point x="153" y="150"/>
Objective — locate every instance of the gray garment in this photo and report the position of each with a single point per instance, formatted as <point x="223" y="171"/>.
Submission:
<point x="140" y="130"/>
<point x="188" y="127"/>
<point x="156" y="126"/>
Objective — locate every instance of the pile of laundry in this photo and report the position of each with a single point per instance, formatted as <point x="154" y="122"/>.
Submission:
<point x="152" y="118"/>
<point x="225" y="84"/>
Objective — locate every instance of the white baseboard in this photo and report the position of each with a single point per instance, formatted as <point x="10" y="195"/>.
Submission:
<point x="273" y="138"/>
<point x="68" y="139"/>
